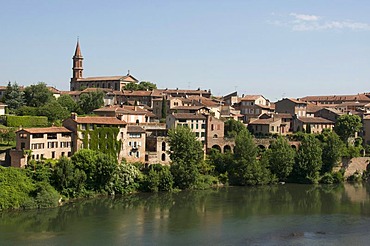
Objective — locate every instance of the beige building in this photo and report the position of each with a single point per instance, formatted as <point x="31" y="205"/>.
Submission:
<point x="315" y="124"/>
<point x="40" y="143"/>
<point x="291" y="106"/>
<point x="252" y="106"/>
<point x="135" y="144"/>
<point x="129" y="114"/>
<point x="267" y="126"/>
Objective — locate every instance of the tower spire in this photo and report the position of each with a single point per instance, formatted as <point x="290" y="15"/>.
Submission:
<point x="77" y="62"/>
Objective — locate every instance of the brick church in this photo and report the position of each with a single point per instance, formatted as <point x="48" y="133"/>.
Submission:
<point x="78" y="82"/>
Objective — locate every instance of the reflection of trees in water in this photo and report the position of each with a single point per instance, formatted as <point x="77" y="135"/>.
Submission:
<point x="192" y="208"/>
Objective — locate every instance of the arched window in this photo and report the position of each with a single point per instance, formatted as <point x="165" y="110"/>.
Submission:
<point x="163" y="157"/>
<point x="163" y="146"/>
<point x="215" y="136"/>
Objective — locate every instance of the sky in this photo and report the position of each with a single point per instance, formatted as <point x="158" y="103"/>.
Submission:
<point x="276" y="48"/>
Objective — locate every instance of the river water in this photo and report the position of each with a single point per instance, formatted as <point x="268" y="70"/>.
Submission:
<point x="270" y="215"/>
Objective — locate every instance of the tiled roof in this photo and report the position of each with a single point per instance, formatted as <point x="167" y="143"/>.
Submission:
<point x="136" y="93"/>
<point x="251" y="97"/>
<point x="332" y="98"/>
<point x="189" y="116"/>
<point x="135" y="128"/>
<point x="188" y="107"/>
<point x="312" y="108"/>
<point x="99" y="120"/>
<point x="315" y="120"/>
<point x="124" y="109"/>
<point x="52" y="129"/>
<point x="264" y="121"/>
<point x="128" y="78"/>
<point x="180" y="91"/>
<point x="54" y="90"/>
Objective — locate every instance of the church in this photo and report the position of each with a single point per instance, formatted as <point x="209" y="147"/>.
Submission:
<point x="78" y="82"/>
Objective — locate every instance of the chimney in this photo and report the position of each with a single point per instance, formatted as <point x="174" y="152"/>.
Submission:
<point x="74" y="116"/>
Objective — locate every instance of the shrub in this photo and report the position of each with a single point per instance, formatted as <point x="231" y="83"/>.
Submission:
<point x="26" y="121"/>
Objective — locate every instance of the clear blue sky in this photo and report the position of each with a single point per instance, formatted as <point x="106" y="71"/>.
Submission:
<point x="278" y="48"/>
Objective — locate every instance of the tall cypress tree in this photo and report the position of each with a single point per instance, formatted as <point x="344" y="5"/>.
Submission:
<point x="164" y="108"/>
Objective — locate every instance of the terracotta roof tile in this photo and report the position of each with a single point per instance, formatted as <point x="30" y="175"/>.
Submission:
<point x="52" y="129"/>
<point x="315" y="120"/>
<point x="135" y="128"/>
<point x="189" y="116"/>
<point x="99" y="120"/>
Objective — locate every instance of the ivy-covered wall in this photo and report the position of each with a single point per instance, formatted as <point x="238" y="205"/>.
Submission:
<point x="103" y="139"/>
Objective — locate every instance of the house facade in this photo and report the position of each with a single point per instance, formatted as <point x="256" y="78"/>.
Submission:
<point x="41" y="143"/>
<point x="291" y="106"/>
<point x="98" y="133"/>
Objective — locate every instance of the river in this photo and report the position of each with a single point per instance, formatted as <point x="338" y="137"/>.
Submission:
<point x="270" y="215"/>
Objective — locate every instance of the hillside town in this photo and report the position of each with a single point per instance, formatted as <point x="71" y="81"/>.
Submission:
<point x="140" y="119"/>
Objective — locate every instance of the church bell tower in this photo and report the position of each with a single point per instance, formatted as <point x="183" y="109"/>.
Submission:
<point x="77" y="63"/>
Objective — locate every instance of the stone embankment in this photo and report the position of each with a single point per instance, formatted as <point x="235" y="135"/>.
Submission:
<point x="350" y="166"/>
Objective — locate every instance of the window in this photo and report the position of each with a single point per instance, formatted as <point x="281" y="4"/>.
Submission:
<point x="23" y="135"/>
<point x="23" y="145"/>
<point x="163" y="157"/>
<point x="163" y="146"/>
<point x="202" y="134"/>
<point x="53" y="154"/>
<point x="83" y="127"/>
<point x="38" y="135"/>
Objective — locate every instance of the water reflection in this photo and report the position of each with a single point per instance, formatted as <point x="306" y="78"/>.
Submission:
<point x="282" y="214"/>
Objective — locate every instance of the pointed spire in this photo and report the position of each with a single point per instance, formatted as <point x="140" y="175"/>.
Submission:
<point x="78" y="49"/>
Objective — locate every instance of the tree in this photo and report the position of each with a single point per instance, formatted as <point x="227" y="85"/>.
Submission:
<point x="67" y="102"/>
<point x="281" y="158"/>
<point x="90" y="101"/>
<point x="233" y="127"/>
<point x="332" y="147"/>
<point x="164" y="108"/>
<point x="186" y="153"/>
<point x="37" y="95"/>
<point x="308" y="160"/>
<point x="142" y="86"/>
<point x="13" y="96"/>
<point x="54" y="111"/>
<point x="347" y="125"/>
<point x="246" y="169"/>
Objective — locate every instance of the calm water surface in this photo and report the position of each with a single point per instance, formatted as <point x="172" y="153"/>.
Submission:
<point x="272" y="215"/>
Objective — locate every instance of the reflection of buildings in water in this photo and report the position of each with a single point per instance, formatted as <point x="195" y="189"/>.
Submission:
<point x="356" y="192"/>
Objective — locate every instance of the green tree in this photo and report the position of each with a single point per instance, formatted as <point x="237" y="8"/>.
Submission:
<point x="186" y="153"/>
<point x="142" y="86"/>
<point x="246" y="169"/>
<point x="308" y="161"/>
<point x="37" y="95"/>
<point x="233" y="127"/>
<point x="90" y="101"/>
<point x="54" y="111"/>
<point x="281" y="158"/>
<point x="13" y="96"/>
<point x="332" y="147"/>
<point x="164" y="108"/>
<point x="126" y="178"/>
<point x="67" y="102"/>
<point x="347" y="125"/>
